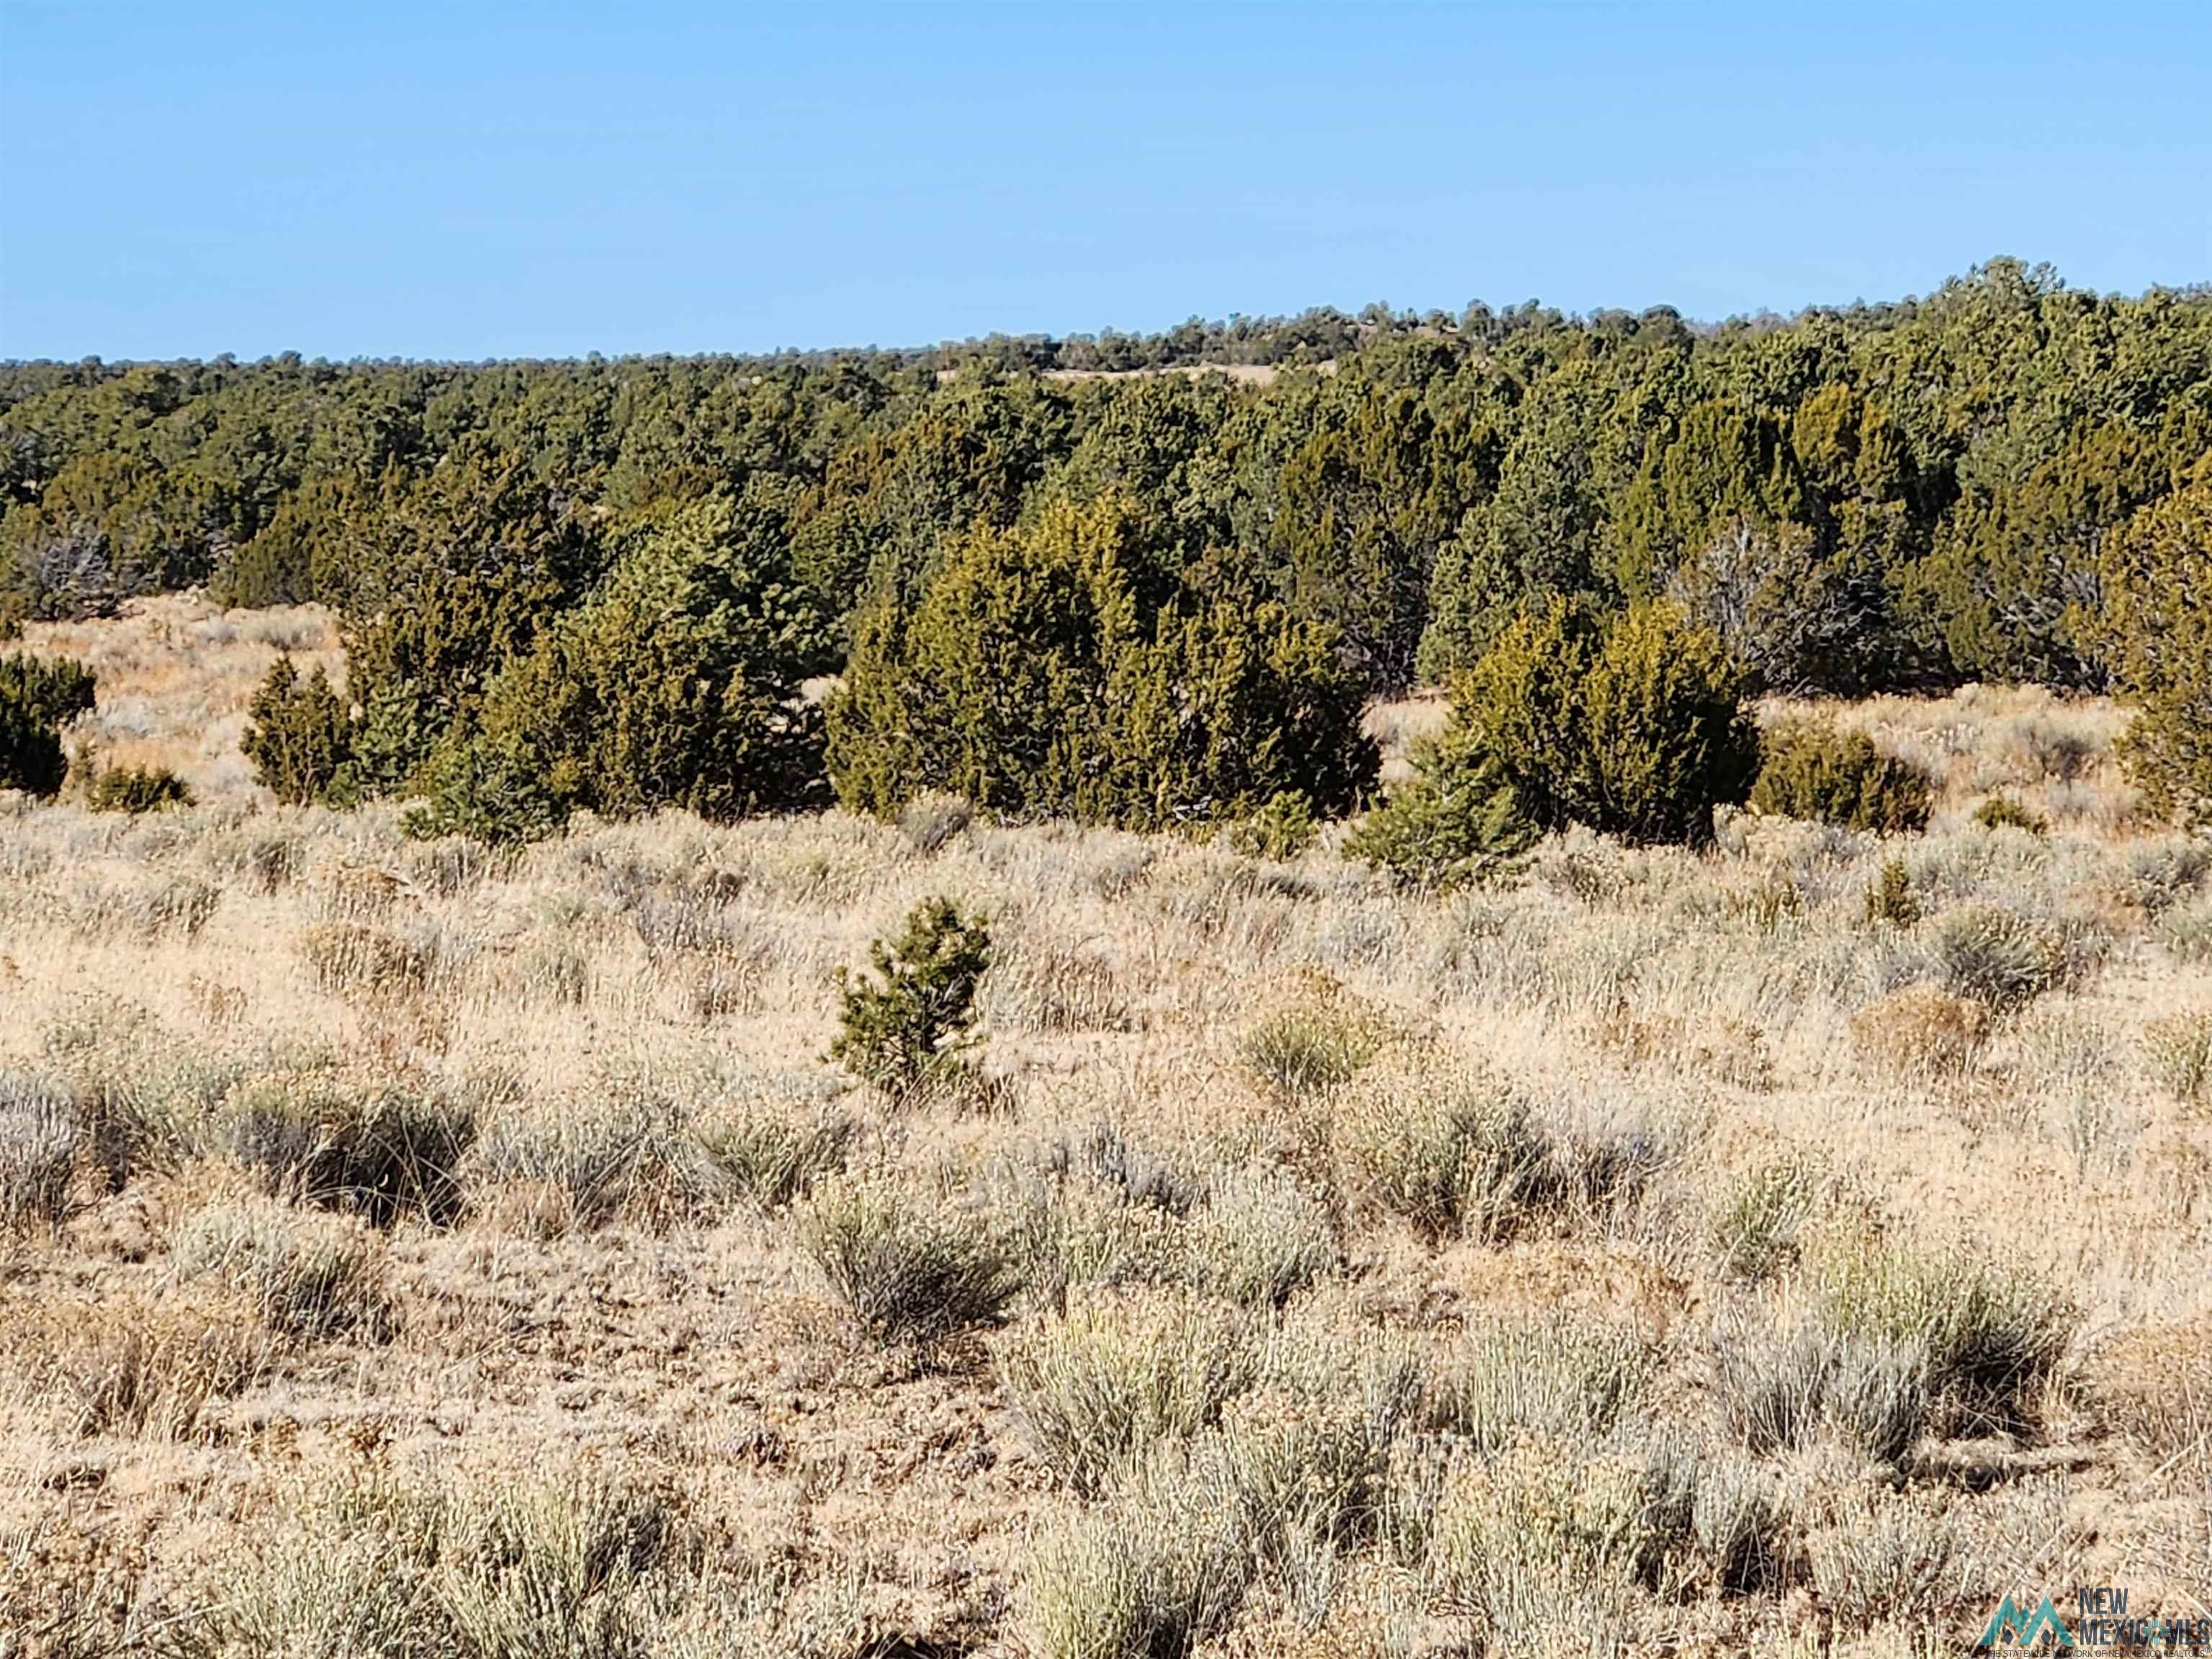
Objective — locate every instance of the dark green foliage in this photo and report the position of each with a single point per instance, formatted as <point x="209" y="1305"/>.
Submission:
<point x="493" y="789"/>
<point x="1029" y="680"/>
<point x="1459" y="822"/>
<point x="1229" y="708"/>
<point x="52" y="691"/>
<point x="136" y="789"/>
<point x="1634" y="726"/>
<point x="31" y="756"/>
<point x="989" y="688"/>
<point x="1816" y="771"/>
<point x="1725" y="465"/>
<point x="1978" y="484"/>
<point x="37" y="699"/>
<point x="2009" y="812"/>
<point x="912" y="1020"/>
<point x="448" y="579"/>
<point x="2014" y="580"/>
<point x="1368" y="502"/>
<point x="105" y="526"/>
<point x="299" y="735"/>
<point x="678" y="682"/>
<point x="2160" y="629"/>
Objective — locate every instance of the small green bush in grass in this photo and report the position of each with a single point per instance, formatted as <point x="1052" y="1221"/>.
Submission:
<point x="2156" y="627"/>
<point x="1890" y="900"/>
<point x="37" y="699"/>
<point x="914" y="1018"/>
<point x="300" y="734"/>
<point x="1310" y="1048"/>
<point x="1828" y="775"/>
<point x="137" y="789"/>
<point x="1282" y="829"/>
<point x="491" y="789"/>
<point x="1632" y="724"/>
<point x="1458" y="824"/>
<point x="2007" y="813"/>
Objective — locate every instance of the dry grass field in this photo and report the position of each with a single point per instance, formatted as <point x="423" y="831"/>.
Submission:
<point x="407" y="1250"/>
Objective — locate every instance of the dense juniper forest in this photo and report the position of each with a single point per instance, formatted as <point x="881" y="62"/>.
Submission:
<point x="1094" y="578"/>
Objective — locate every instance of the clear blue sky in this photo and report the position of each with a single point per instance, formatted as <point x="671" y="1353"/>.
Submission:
<point x="475" y="180"/>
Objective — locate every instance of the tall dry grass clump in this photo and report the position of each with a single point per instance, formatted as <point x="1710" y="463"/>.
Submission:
<point x="40" y="1137"/>
<point x="905" y="1264"/>
<point x="1112" y="1375"/>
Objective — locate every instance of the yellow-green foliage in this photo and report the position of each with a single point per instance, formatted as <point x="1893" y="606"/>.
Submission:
<point x="1833" y="776"/>
<point x="136" y="789"/>
<point x="1310" y="1047"/>
<point x="299" y="734"/>
<point x="1634" y="725"/>
<point x="1460" y="822"/>
<point x="1889" y="896"/>
<point x="678" y="684"/>
<point x="1032" y="677"/>
<point x="2009" y="812"/>
<point x="1988" y="1336"/>
<point x="2156" y="576"/>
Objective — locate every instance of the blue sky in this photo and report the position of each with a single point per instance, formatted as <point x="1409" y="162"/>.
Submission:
<point x="479" y="181"/>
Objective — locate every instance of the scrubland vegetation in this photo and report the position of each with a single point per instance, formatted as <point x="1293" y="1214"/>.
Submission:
<point x="858" y="1007"/>
<point x="1790" y="1244"/>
